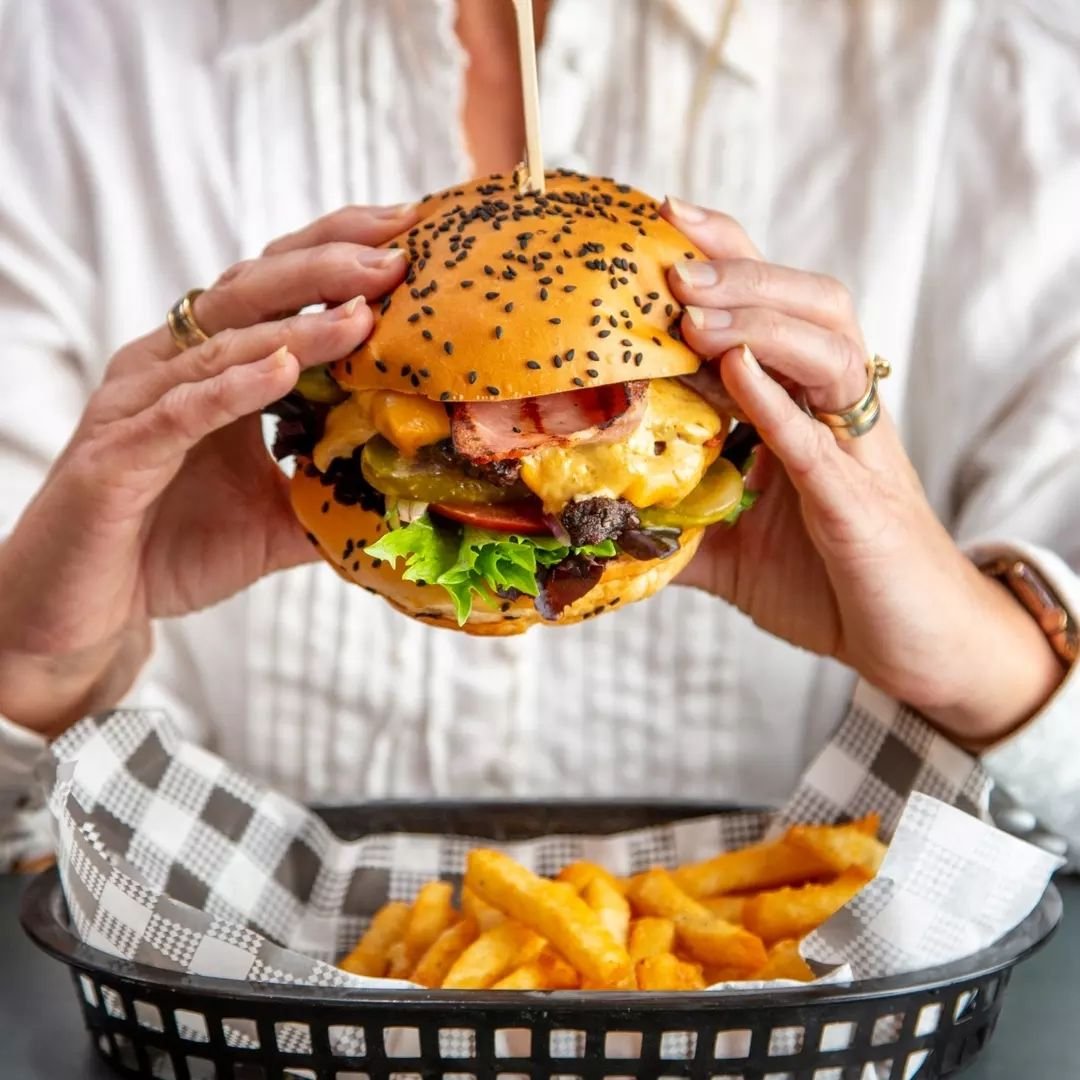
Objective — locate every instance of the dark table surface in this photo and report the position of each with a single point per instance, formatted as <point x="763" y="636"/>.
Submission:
<point x="42" y="1038"/>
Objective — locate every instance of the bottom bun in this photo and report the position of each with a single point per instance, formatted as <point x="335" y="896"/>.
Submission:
<point x="342" y="532"/>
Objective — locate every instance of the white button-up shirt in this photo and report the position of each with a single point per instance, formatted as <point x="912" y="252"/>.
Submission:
<point x="925" y="152"/>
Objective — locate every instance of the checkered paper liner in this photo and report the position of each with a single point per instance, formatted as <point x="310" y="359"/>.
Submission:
<point x="171" y="858"/>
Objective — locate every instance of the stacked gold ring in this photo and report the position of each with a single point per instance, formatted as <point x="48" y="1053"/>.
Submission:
<point x="858" y="419"/>
<point x="185" y="329"/>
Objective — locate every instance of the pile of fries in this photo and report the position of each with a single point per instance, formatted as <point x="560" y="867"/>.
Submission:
<point x="737" y="916"/>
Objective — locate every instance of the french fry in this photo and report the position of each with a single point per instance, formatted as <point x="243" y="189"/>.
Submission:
<point x="707" y="937"/>
<point x="760" y="866"/>
<point x="791" y="913"/>
<point x="785" y="963"/>
<point x="492" y="955"/>
<point x="432" y="913"/>
<point x="552" y="910"/>
<point x="399" y="962"/>
<point x="841" y="846"/>
<point x="667" y="972"/>
<point x="580" y="873"/>
<point x="387" y="927"/>
<point x="548" y="971"/>
<point x="480" y="911"/>
<point x="433" y="967"/>
<point x="611" y="907"/>
<point x="650" y="936"/>
<point x="728" y="908"/>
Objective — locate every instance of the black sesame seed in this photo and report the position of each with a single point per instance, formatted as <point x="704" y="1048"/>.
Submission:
<point x="405" y="369"/>
<point x="626" y="341"/>
<point x="653" y="295"/>
<point x="612" y="320"/>
<point x="415" y="317"/>
<point x="448" y="348"/>
<point x="381" y="366"/>
<point x="597" y="302"/>
<point x="498" y="332"/>
<point x="428" y="335"/>
<point x="508" y="307"/>
<point x="491" y="296"/>
<point x="427" y="309"/>
<point x="595" y="320"/>
<point x="545" y="281"/>
<point x="557" y="360"/>
<point x="593" y="356"/>
<point x="376" y="563"/>
<point x="555" y="321"/>
<point x="326" y="508"/>
<point x="543" y="294"/>
<point x="592" y="373"/>
<point x="569" y="354"/>
<point x="646" y="308"/>
<point x="424" y="373"/>
<point x="534" y="364"/>
<point x="577" y="382"/>
<point x="489" y="271"/>
<point x="492" y="390"/>
<point x="445" y="395"/>
<point x="472" y="377"/>
<point x="656" y="342"/>
<point x="638" y="357"/>
<point x="415" y="380"/>
<point x="626" y="356"/>
<point x="569" y="288"/>
<point x="604" y="333"/>
<point x="466" y="284"/>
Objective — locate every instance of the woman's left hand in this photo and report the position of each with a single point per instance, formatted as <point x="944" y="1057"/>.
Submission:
<point x="842" y="554"/>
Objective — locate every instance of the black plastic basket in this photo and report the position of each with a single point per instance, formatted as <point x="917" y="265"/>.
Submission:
<point x="150" y="1023"/>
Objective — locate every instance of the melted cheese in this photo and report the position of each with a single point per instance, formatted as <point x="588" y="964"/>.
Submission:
<point x="407" y="420"/>
<point x="657" y="465"/>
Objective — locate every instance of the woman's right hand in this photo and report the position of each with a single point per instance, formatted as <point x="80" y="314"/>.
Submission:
<point x="165" y="500"/>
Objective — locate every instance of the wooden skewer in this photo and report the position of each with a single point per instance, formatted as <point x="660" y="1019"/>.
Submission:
<point x="530" y="176"/>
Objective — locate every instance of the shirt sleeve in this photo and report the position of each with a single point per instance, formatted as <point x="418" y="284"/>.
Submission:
<point x="52" y="354"/>
<point x="996" y="431"/>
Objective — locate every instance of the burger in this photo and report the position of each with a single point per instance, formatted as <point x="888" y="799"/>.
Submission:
<point x="524" y="437"/>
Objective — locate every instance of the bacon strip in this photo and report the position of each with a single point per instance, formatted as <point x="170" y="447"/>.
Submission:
<point x="485" y="431"/>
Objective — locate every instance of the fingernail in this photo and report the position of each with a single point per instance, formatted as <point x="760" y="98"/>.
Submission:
<point x="708" y="318"/>
<point x="276" y="360"/>
<point x="695" y="273"/>
<point x="398" y="210"/>
<point x="348" y="309"/>
<point x="381" y="257"/>
<point x="685" y="211"/>
<point x="750" y="362"/>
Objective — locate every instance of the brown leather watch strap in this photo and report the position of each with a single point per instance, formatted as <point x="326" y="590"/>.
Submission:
<point x="1041" y="602"/>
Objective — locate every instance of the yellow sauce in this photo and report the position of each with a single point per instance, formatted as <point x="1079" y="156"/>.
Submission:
<point x="657" y="465"/>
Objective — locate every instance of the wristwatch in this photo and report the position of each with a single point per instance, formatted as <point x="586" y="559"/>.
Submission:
<point x="1040" y="601"/>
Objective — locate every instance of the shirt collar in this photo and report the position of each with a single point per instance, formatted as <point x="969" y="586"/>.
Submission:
<point x="749" y="42"/>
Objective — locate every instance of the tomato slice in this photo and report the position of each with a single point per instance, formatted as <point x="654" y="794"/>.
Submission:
<point x="525" y="517"/>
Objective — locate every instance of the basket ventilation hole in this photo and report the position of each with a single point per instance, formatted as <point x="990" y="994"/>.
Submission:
<point x="886" y="1029"/>
<point x="293" y="1073"/>
<point x="148" y="1016"/>
<point x="622" y="1044"/>
<point x="566" y="1043"/>
<point x="191" y="1025"/>
<point x="161" y="1066"/>
<point x="114" y="1004"/>
<point x="915" y="1062"/>
<point x="292" y="1037"/>
<point x="104" y="1046"/>
<point x="240" y="1033"/>
<point x="963" y="1010"/>
<point x="457" y="1043"/>
<point x="732" y="1044"/>
<point x="513" y="1043"/>
<point x="786" y="1040"/>
<point x="459" y="1076"/>
<point x="837" y="1035"/>
<point x="247" y="1071"/>
<point x="88" y="990"/>
<point x="512" y="1076"/>
<point x="833" y="1073"/>
<point x="929" y="1018"/>
<point x="353" y="1076"/>
<point x="201" y="1069"/>
<point x="347" y="1040"/>
<point x="401" y="1042"/>
<point x="405" y="1076"/>
<point x="125" y="1051"/>
<point x="566" y="1076"/>
<point x="678" y="1045"/>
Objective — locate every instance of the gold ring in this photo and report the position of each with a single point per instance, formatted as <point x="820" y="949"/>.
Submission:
<point x="185" y="330"/>
<point x="856" y="420"/>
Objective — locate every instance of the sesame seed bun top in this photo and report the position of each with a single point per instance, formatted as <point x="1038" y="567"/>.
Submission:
<point x="512" y="296"/>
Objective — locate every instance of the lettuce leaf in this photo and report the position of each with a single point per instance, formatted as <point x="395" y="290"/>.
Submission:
<point x="472" y="562"/>
<point x="748" y="499"/>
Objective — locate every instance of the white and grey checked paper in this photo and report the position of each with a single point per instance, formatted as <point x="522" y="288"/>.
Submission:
<point x="171" y="858"/>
